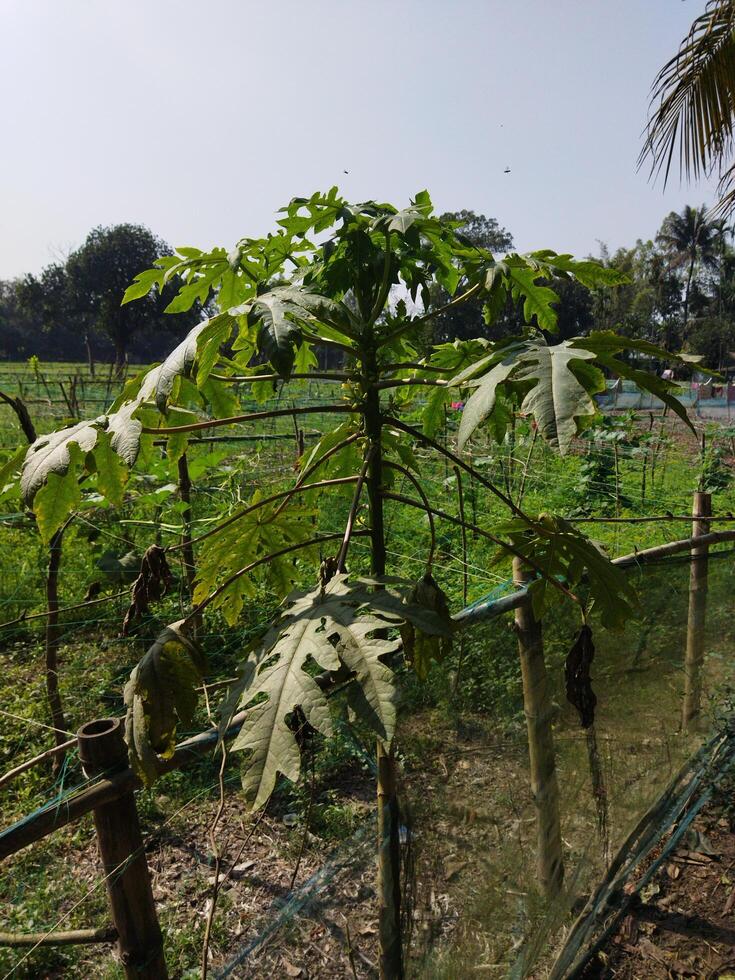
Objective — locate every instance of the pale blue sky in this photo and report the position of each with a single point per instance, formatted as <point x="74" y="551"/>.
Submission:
<point x="200" y="119"/>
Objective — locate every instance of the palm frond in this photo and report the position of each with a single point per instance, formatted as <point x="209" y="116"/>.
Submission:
<point x="692" y="106"/>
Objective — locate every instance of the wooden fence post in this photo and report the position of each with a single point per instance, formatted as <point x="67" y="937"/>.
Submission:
<point x="537" y="708"/>
<point x="102" y="750"/>
<point x="694" y="657"/>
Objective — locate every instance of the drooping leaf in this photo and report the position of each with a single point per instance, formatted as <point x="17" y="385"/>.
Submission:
<point x="420" y="647"/>
<point x="562" y="552"/>
<point x="161" y="691"/>
<point x="152" y="582"/>
<point x="283" y="312"/>
<point x="481" y="403"/>
<point x="51" y="454"/>
<point x="577" y="676"/>
<point x="562" y="393"/>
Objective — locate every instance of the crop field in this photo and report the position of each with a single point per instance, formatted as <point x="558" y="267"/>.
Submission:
<point x="299" y="896"/>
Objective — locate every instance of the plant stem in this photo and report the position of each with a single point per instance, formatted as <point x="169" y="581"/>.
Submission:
<point x="427" y="507"/>
<point x="174" y="430"/>
<point x="342" y="558"/>
<point x="389" y="853"/>
<point x="399" y="498"/>
<point x="417" y="434"/>
<point x="465" y="581"/>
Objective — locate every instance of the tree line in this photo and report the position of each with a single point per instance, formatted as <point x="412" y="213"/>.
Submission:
<point x="680" y="295"/>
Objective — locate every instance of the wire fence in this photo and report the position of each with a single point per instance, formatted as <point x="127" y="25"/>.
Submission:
<point x="469" y="817"/>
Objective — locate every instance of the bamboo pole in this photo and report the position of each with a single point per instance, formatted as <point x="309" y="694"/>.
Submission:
<point x="69" y="938"/>
<point x="140" y="943"/>
<point x="694" y="657"/>
<point x="537" y="708"/>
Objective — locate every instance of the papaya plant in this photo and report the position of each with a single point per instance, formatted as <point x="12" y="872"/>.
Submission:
<point x="359" y="281"/>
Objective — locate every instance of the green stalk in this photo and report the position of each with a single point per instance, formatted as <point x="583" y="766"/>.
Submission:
<point x="389" y="856"/>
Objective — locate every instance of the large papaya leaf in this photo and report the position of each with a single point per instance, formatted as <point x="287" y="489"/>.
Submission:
<point x="282" y="312"/>
<point x="557" y="390"/>
<point x="341" y="624"/>
<point x="561" y="395"/>
<point x="161" y="691"/>
<point x="605" y="344"/>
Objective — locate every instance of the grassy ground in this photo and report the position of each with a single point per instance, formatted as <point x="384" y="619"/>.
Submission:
<point x="463" y="756"/>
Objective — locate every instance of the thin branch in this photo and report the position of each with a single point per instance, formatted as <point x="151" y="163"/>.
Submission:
<point x="303" y="488"/>
<point x="30" y="763"/>
<point x="427" y="506"/>
<point x="457" y="301"/>
<point x="197" y="610"/>
<point x="417" y="434"/>
<point x="384" y="290"/>
<point x="249" y="417"/>
<point x="409" y="501"/>
<point x="407" y="382"/>
<point x="23" y="618"/>
<point x="308" y="376"/>
<point x="342" y="558"/>
<point x="413" y="366"/>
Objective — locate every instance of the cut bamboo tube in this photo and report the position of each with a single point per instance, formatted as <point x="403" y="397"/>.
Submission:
<point x="537" y="708"/>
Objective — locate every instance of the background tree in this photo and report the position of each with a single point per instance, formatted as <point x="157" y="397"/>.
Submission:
<point x="85" y="292"/>
<point x="690" y="239"/>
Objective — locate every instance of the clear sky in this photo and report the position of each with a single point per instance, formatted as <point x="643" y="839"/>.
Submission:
<point x="199" y="118"/>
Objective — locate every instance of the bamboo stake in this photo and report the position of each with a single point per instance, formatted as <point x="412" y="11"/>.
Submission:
<point x="694" y="657"/>
<point x="140" y="943"/>
<point x="537" y="708"/>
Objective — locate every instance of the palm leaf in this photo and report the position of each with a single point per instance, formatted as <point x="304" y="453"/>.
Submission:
<point x="693" y="100"/>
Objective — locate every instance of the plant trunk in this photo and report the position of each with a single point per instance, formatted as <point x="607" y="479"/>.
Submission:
<point x="389" y="855"/>
<point x="537" y="708"/>
<point x="687" y="290"/>
<point x="58" y="719"/>
<point x="121" y="357"/>
<point x="90" y="357"/>
<point x="694" y="656"/>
